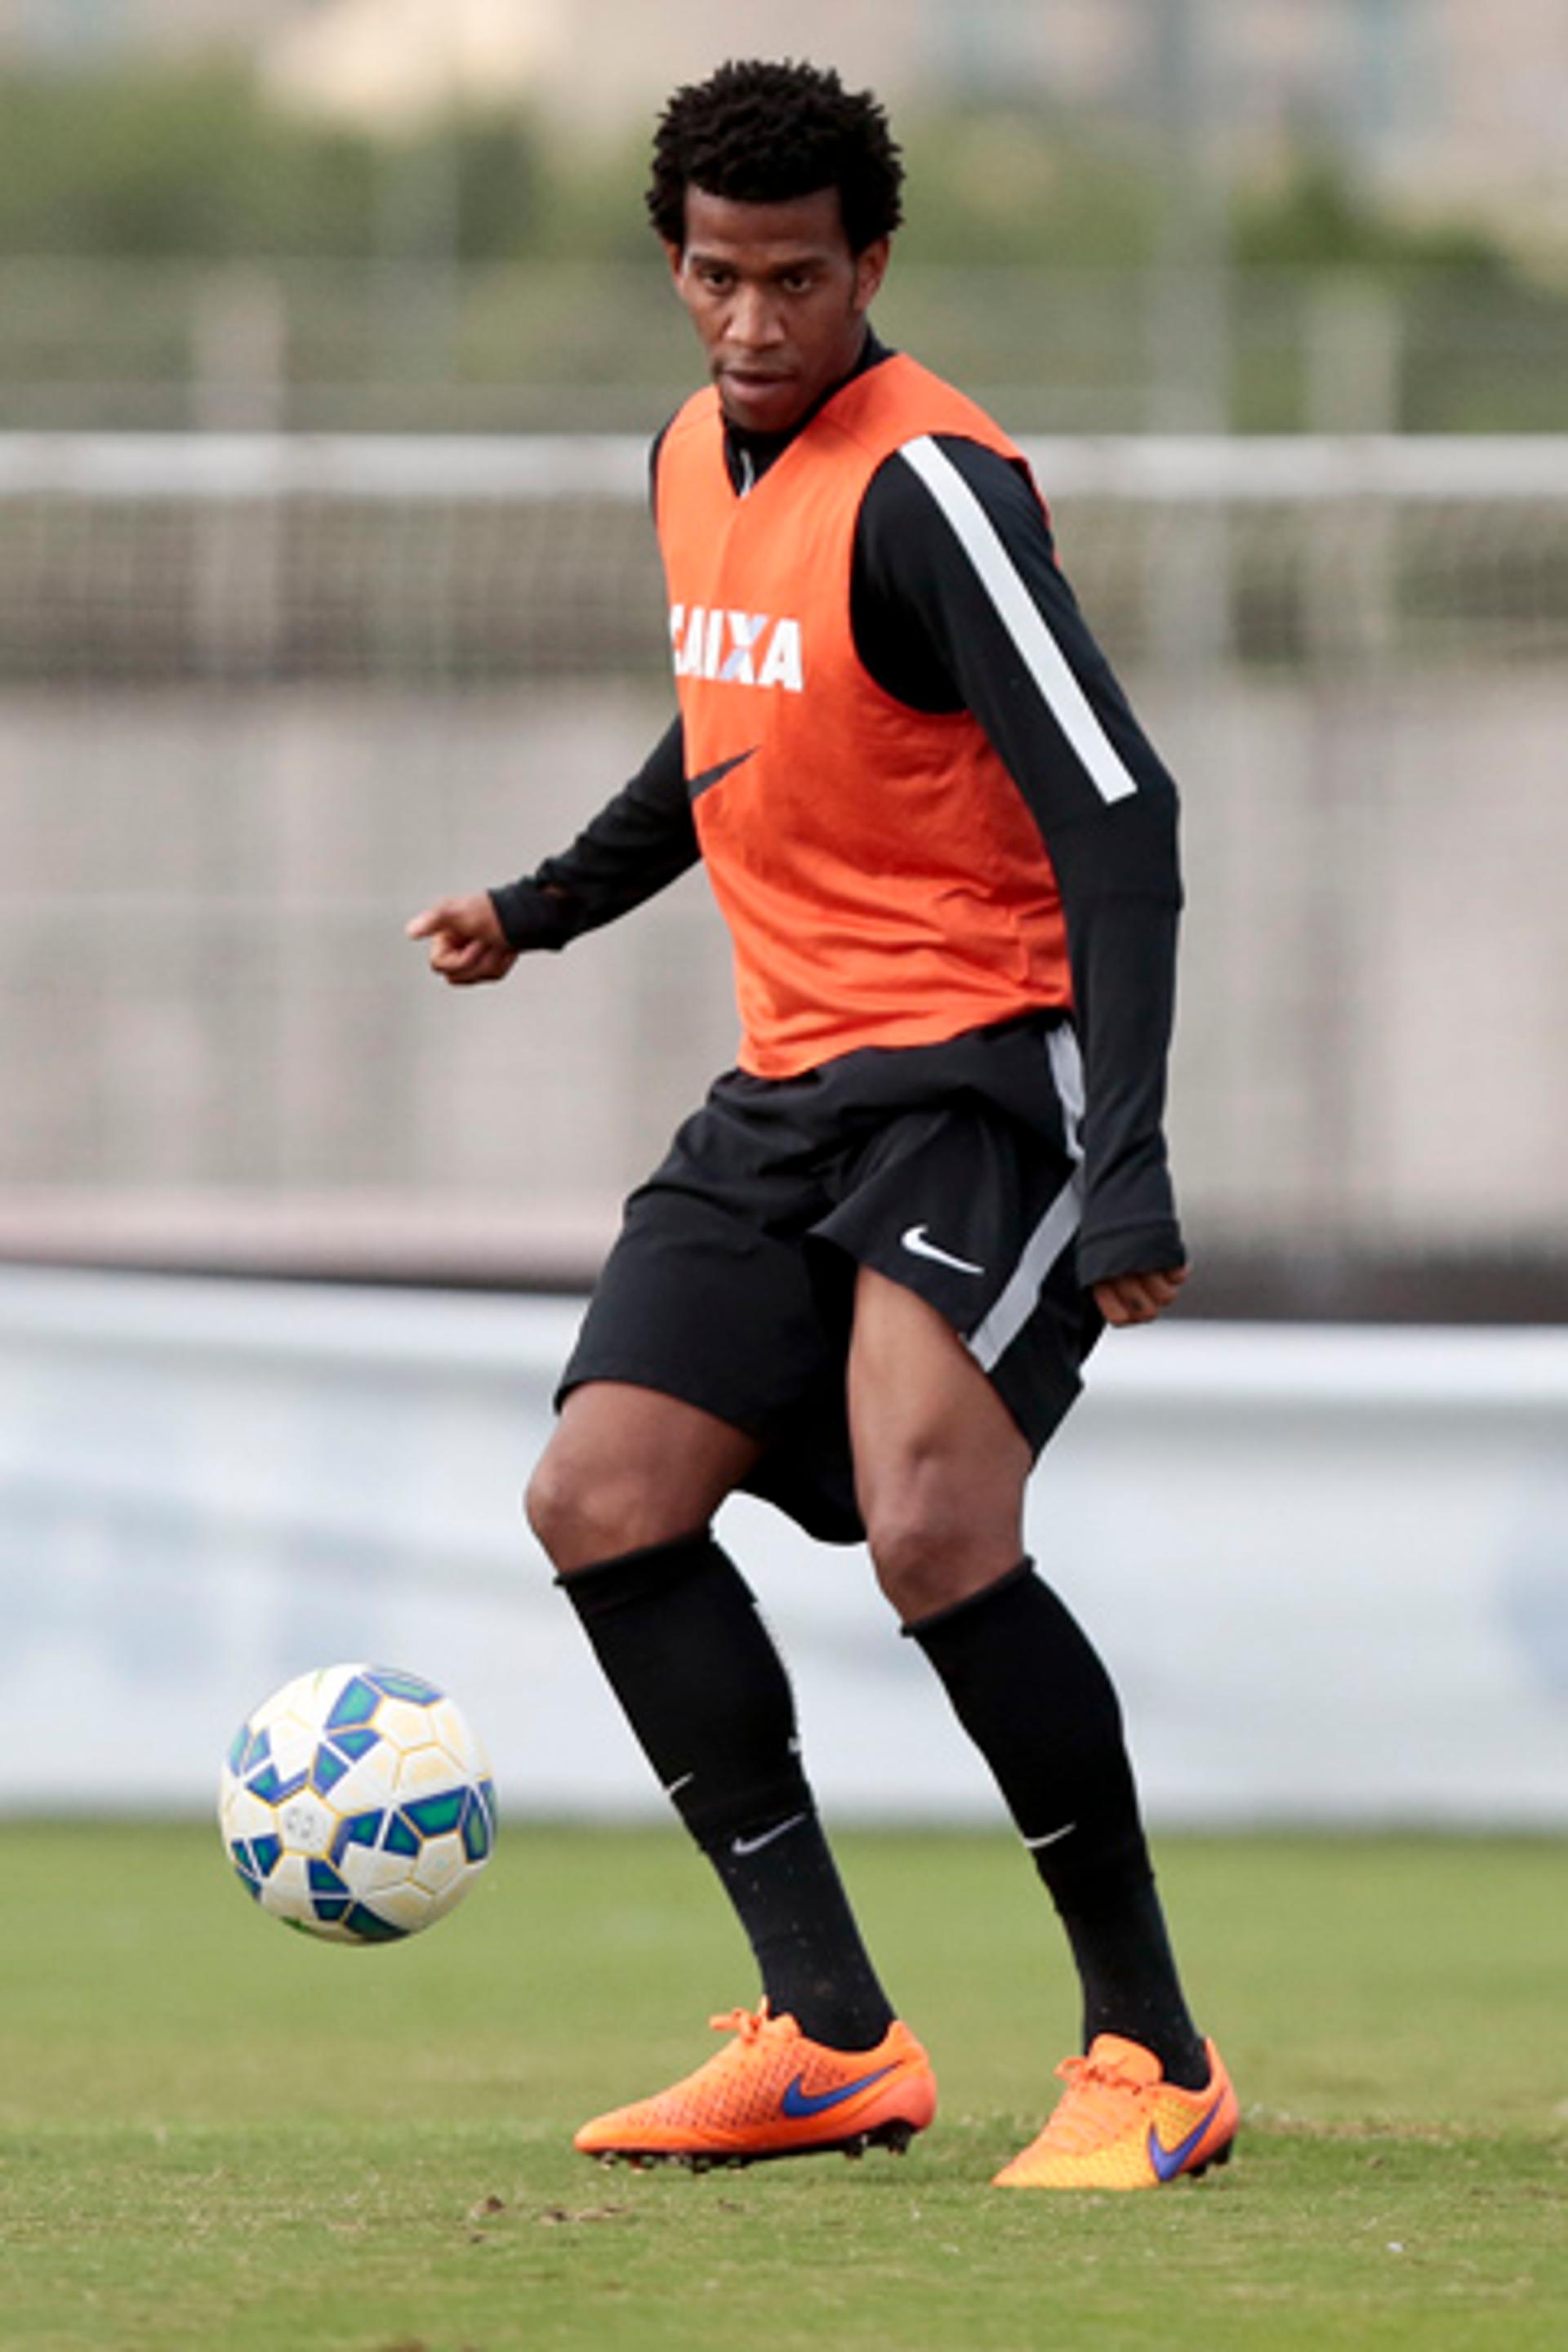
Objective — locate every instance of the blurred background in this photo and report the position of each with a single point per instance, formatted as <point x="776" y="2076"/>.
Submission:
<point x="334" y="337"/>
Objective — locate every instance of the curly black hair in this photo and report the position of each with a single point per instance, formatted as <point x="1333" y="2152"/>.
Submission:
<point x="761" y="133"/>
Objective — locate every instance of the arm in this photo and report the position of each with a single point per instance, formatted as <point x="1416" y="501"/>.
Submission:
<point x="959" y="604"/>
<point x="640" y="842"/>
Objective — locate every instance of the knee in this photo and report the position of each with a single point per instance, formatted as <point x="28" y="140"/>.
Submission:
<point x="577" y="1518"/>
<point x="922" y="1552"/>
<point x="585" y="1504"/>
<point x="935" y="1539"/>
<point x="549" y="1505"/>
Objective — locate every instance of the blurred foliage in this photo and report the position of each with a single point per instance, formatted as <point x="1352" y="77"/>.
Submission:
<point x="514" y="264"/>
<point x="149" y="165"/>
<point x="1316" y="217"/>
<point x="1001" y="188"/>
<point x="196" y="163"/>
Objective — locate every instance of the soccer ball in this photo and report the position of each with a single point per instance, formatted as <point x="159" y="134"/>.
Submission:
<point x="357" y="1805"/>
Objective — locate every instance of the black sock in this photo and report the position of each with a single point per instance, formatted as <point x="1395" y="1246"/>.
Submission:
<point x="1130" y="1981"/>
<point x="1031" y="1692"/>
<point x="677" y="1631"/>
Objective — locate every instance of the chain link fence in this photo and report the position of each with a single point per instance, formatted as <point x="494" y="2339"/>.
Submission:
<point x="261" y="697"/>
<point x="596" y="345"/>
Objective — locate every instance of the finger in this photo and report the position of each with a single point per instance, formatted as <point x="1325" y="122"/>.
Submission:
<point x="427" y="923"/>
<point x="1135" y="1298"/>
<point x="456" y="957"/>
<point x="492" y="964"/>
<point x="1163" y="1289"/>
<point x="1142" y="1296"/>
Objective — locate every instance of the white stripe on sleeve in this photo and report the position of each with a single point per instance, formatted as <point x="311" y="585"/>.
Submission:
<point x="1021" y="617"/>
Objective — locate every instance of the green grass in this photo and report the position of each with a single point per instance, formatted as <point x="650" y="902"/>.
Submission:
<point x="215" y="2135"/>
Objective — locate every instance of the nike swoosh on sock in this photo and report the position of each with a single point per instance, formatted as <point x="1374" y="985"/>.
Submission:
<point x="754" y="1845"/>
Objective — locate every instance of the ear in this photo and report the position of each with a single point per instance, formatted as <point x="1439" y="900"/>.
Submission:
<point x="870" y="268"/>
<point x="674" y="255"/>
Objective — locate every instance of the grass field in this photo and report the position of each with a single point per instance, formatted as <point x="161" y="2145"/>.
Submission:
<point x="215" y="2135"/>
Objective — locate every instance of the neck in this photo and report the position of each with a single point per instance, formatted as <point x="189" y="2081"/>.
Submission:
<point x="749" y="455"/>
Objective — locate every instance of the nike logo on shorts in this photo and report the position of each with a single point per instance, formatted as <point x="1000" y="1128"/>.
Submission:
<point x="915" y="1241"/>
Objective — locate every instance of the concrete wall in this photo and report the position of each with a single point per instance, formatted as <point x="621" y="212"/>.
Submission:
<point x="1327" y="1568"/>
<point x="212" y="1023"/>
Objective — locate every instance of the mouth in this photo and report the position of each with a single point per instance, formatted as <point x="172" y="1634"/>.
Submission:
<point x="754" y="379"/>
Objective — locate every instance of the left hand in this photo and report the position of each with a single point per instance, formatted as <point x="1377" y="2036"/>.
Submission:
<point x="1138" y="1298"/>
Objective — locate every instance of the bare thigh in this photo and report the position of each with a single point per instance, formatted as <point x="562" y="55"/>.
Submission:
<point x="940" y="1464"/>
<point x="628" y="1467"/>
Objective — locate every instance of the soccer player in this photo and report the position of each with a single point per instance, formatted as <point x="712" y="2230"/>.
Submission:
<point x="865" y="1279"/>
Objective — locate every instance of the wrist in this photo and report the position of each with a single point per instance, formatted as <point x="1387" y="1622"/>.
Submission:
<point x="530" y="918"/>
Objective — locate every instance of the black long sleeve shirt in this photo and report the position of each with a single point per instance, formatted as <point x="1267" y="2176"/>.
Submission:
<point x="930" y="634"/>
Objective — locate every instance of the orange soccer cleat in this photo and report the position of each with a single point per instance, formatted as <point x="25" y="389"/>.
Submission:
<point x="1119" y="2125"/>
<point x="770" y="2093"/>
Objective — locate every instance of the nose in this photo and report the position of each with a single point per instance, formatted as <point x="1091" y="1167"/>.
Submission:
<point x="755" y="324"/>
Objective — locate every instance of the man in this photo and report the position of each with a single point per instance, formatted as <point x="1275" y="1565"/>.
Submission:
<point x="864" y="1281"/>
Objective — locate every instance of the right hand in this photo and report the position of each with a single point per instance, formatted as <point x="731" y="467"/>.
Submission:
<point x="466" y="942"/>
<point x="1127" y="1298"/>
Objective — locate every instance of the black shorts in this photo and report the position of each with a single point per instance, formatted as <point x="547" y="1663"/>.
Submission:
<point x="954" y="1169"/>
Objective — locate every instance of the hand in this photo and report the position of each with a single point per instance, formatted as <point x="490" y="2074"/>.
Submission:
<point x="1138" y="1298"/>
<point x="468" y="943"/>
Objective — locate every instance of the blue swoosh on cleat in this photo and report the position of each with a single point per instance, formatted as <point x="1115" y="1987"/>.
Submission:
<point x="797" y="2102"/>
<point x="1168" y="2161"/>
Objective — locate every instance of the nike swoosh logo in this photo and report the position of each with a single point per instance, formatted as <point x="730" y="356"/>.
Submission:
<point x="915" y="1241"/>
<point x="1168" y="2161"/>
<point x="755" y="1845"/>
<point x="797" y="2102"/>
<point x="1052" y="1837"/>
<point x="716" y="775"/>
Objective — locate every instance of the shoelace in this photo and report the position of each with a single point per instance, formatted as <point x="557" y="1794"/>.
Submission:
<point x="1100" y="2101"/>
<point x="749" y="2024"/>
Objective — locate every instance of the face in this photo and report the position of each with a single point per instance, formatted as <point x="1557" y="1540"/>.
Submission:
<point x="778" y="299"/>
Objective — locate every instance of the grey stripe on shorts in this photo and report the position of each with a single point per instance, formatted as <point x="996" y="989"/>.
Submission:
<point x="1020" y="1294"/>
